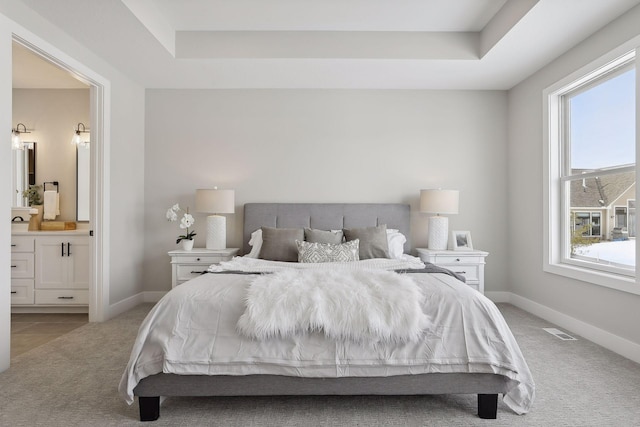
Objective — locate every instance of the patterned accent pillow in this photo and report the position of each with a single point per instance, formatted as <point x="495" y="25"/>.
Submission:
<point x="328" y="252"/>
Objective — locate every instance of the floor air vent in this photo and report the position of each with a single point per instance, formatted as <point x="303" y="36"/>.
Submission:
<point x="559" y="334"/>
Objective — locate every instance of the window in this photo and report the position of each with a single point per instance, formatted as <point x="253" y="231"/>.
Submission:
<point x="631" y="217"/>
<point x="591" y="174"/>
<point x="586" y="224"/>
<point x="621" y="217"/>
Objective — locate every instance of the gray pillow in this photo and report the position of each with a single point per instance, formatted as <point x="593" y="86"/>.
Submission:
<point x="373" y="241"/>
<point x="327" y="252"/>
<point x="279" y="244"/>
<point x="321" y="236"/>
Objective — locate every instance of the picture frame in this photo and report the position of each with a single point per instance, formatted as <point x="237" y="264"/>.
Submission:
<point x="461" y="240"/>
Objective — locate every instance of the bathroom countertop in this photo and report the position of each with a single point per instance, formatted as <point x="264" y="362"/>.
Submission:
<point x="80" y="232"/>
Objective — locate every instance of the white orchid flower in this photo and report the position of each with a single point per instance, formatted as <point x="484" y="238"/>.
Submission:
<point x="172" y="215"/>
<point x="186" y="221"/>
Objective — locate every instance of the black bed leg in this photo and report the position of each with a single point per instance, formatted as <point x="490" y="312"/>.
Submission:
<point x="488" y="406"/>
<point x="149" y="408"/>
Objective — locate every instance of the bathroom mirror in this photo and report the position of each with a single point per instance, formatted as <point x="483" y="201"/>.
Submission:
<point x="83" y="181"/>
<point x="24" y="167"/>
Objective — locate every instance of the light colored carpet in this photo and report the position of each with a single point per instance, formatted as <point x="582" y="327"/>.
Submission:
<point x="72" y="381"/>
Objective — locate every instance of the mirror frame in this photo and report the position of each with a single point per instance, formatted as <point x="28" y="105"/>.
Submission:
<point x="83" y="182"/>
<point x="24" y="172"/>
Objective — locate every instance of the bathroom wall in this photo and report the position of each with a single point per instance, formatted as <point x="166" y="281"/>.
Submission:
<point x="52" y="115"/>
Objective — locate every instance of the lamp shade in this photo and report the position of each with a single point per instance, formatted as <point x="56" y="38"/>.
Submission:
<point x="215" y="201"/>
<point x="439" y="201"/>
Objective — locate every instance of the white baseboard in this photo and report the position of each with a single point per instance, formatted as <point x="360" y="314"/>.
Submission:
<point x="131" y="302"/>
<point x="124" y="305"/>
<point x="153" y="296"/>
<point x="499" y="296"/>
<point x="612" y="342"/>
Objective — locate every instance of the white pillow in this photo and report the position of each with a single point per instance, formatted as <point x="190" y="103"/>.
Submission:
<point x="256" y="244"/>
<point x="396" y="241"/>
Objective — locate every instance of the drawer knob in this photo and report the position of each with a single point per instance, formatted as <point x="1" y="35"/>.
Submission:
<point x="198" y="272"/>
<point x="14" y="292"/>
<point x="65" y="297"/>
<point x="197" y="259"/>
<point x="14" y="266"/>
<point x="458" y="259"/>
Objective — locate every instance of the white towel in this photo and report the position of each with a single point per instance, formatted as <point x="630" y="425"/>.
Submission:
<point x="51" y="204"/>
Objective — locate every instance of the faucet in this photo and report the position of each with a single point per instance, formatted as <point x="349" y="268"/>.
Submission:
<point x="17" y="218"/>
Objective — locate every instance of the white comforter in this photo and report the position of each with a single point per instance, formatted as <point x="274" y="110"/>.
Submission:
<point x="192" y="330"/>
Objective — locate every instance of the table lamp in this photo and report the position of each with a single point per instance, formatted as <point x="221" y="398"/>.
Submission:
<point x="439" y="202"/>
<point x="216" y="202"/>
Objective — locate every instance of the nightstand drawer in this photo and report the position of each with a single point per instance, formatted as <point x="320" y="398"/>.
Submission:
<point x="468" y="263"/>
<point x="458" y="259"/>
<point x="205" y="260"/>
<point x="470" y="272"/>
<point x="22" y="291"/>
<point x="186" y="265"/>
<point x="189" y="271"/>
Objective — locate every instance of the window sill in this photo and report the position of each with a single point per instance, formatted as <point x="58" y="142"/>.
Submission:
<point x="608" y="280"/>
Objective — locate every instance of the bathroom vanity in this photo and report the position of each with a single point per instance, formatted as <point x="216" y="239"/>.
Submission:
<point x="50" y="269"/>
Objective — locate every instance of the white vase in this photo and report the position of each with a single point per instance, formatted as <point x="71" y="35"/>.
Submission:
<point x="187" y="245"/>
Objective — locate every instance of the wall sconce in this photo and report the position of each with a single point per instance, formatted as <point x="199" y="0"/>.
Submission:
<point x="16" y="141"/>
<point x="439" y="202"/>
<point x="77" y="138"/>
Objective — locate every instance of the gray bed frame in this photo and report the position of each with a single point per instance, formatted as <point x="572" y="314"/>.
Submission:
<point x="326" y="217"/>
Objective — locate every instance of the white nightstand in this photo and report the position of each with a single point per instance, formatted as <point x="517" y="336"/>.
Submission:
<point x="186" y="265"/>
<point x="470" y="264"/>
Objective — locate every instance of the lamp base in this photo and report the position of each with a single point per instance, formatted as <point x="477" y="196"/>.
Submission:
<point x="216" y="232"/>
<point x="438" y="233"/>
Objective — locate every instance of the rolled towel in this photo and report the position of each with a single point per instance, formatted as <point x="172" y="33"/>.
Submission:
<point x="51" y="204"/>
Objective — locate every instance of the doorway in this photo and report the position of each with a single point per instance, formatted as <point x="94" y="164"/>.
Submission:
<point x="97" y="292"/>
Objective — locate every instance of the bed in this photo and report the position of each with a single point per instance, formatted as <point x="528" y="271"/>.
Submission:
<point x="466" y="347"/>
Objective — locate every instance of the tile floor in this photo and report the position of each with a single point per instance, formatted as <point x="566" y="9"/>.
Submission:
<point x="30" y="330"/>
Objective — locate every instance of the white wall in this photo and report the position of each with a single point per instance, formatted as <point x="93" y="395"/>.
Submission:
<point x="325" y="146"/>
<point x="123" y="149"/>
<point x="54" y="114"/>
<point x="612" y="311"/>
<point x="126" y="198"/>
<point x="6" y="193"/>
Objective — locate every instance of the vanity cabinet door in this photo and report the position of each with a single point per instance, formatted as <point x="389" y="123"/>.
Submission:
<point x="78" y="258"/>
<point x="62" y="262"/>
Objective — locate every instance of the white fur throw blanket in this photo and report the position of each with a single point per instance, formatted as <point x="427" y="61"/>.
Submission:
<point x="363" y="306"/>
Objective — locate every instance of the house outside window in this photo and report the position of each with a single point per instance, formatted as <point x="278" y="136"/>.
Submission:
<point x="590" y="173"/>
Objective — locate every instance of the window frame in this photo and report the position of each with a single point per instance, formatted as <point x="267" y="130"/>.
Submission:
<point x="556" y="225"/>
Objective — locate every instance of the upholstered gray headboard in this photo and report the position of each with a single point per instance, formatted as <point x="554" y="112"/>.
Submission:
<point x="324" y="216"/>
